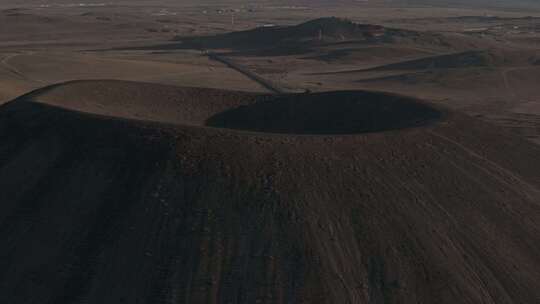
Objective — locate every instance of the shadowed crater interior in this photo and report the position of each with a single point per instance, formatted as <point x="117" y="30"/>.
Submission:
<point x="327" y="113"/>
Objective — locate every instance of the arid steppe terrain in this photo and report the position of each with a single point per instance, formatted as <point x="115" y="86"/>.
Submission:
<point x="482" y="60"/>
<point x="269" y="152"/>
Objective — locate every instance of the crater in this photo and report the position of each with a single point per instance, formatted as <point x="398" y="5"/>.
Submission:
<point x="341" y="112"/>
<point x="348" y="112"/>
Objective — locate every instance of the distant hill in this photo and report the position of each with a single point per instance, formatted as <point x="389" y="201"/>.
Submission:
<point x="301" y="38"/>
<point x="323" y="30"/>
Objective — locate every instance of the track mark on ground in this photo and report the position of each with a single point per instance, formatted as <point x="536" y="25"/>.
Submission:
<point x="4" y="62"/>
<point x="491" y="164"/>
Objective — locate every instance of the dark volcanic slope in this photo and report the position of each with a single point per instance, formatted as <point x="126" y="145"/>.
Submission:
<point x="101" y="209"/>
<point x="459" y="60"/>
<point x="468" y="59"/>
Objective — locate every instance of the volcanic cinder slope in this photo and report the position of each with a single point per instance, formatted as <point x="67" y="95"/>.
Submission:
<point x="120" y="192"/>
